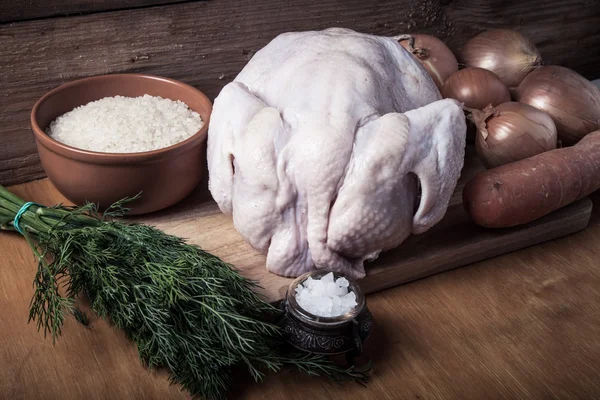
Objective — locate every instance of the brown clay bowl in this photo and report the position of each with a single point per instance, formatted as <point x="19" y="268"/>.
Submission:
<point x="164" y="176"/>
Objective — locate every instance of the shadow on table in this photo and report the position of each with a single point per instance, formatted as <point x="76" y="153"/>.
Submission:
<point x="375" y="350"/>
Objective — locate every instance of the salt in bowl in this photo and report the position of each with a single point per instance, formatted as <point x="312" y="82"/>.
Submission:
<point x="325" y="335"/>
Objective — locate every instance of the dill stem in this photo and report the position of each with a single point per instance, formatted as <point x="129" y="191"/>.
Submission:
<point x="10" y="206"/>
<point x="58" y="215"/>
<point x="10" y="197"/>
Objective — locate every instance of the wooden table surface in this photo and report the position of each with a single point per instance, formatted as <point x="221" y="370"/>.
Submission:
<point x="521" y="326"/>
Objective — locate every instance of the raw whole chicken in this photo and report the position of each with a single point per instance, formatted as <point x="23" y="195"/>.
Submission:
<point x="319" y="146"/>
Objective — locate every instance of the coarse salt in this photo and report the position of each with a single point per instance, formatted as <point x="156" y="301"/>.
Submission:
<point x="326" y="297"/>
<point x="126" y="124"/>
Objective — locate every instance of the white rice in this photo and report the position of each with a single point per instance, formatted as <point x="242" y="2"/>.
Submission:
<point x="126" y="124"/>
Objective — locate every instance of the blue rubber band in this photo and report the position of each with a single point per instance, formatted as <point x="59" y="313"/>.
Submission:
<point x="20" y="214"/>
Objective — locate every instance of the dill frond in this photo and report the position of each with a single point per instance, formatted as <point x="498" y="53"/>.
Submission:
<point x="186" y="309"/>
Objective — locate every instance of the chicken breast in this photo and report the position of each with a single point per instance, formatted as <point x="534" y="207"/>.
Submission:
<point x="318" y="145"/>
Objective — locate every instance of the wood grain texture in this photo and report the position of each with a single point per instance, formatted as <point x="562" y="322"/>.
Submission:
<point x="18" y="10"/>
<point x="207" y="43"/>
<point x="568" y="29"/>
<point x="517" y="326"/>
<point x="85" y="363"/>
<point x="453" y="242"/>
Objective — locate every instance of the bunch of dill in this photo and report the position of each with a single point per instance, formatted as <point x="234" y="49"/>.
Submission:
<point x="185" y="309"/>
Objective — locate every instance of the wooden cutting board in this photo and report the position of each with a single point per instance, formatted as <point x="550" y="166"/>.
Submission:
<point x="452" y="243"/>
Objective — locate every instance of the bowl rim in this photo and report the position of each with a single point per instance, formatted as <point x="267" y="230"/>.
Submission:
<point x="55" y="146"/>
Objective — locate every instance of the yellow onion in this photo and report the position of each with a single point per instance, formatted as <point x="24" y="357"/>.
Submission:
<point x="476" y="88"/>
<point x="572" y="101"/>
<point x="507" y="53"/>
<point x="511" y="132"/>
<point x="433" y="54"/>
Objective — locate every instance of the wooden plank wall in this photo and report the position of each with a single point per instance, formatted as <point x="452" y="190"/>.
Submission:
<point x="19" y="10"/>
<point x="206" y="43"/>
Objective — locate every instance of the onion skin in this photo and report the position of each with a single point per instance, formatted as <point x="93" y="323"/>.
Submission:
<point x="572" y="101"/>
<point x="433" y="54"/>
<point x="476" y="88"/>
<point x="511" y="132"/>
<point x="507" y="53"/>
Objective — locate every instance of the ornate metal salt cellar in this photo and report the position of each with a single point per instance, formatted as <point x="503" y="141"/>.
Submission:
<point x="325" y="335"/>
